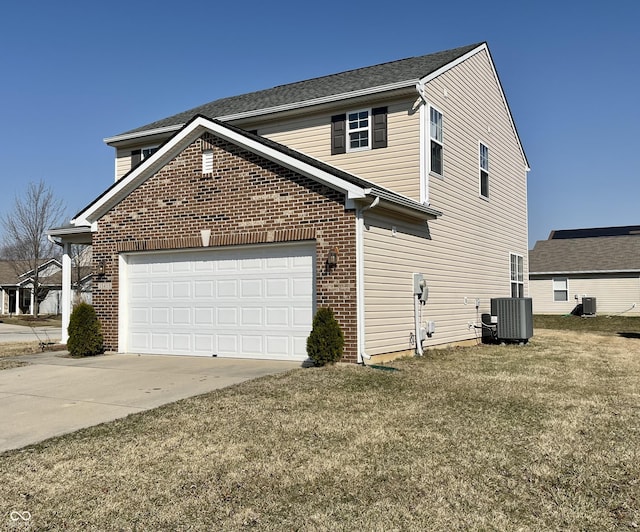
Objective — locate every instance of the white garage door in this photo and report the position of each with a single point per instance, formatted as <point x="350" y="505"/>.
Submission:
<point x="252" y="302"/>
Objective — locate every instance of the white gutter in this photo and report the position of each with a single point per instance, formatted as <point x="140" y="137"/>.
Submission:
<point x="360" y="279"/>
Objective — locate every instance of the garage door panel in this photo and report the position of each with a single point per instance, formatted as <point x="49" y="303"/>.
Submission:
<point x="227" y="288"/>
<point x="204" y="343"/>
<point x="181" y="289"/>
<point x="251" y="288"/>
<point x="140" y="316"/>
<point x="160" y="316"/>
<point x="160" y="342"/>
<point x="243" y="302"/>
<point x="203" y="289"/>
<point x="181" y="342"/>
<point x="277" y="317"/>
<point x="227" y="316"/>
<point x="160" y="290"/>
<point x="203" y="316"/>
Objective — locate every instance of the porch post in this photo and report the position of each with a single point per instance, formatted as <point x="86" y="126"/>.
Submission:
<point x="66" y="291"/>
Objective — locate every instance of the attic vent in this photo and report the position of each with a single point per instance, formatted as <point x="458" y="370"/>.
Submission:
<point x="207" y="161"/>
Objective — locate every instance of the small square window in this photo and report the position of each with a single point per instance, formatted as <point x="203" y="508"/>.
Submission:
<point x="560" y="289"/>
<point x="358" y="130"/>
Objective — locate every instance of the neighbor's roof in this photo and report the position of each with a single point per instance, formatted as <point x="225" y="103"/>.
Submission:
<point x="586" y="255"/>
<point x="622" y="230"/>
<point x="406" y="72"/>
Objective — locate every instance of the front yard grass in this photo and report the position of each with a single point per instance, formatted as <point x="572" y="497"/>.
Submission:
<point x="544" y="436"/>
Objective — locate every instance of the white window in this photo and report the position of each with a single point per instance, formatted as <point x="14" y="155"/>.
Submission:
<point x="435" y="133"/>
<point x="560" y="289"/>
<point x="207" y="161"/>
<point x="358" y="130"/>
<point x="149" y="151"/>
<point x="484" y="170"/>
<point x="137" y="156"/>
<point x="517" y="275"/>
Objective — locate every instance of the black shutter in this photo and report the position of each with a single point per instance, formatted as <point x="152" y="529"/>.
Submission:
<point x="338" y="134"/>
<point x="136" y="157"/>
<point x="379" y="128"/>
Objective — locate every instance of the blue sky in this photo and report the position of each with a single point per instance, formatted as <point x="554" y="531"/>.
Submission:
<point x="73" y="75"/>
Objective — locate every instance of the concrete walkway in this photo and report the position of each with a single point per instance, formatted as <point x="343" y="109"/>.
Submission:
<point x="56" y="394"/>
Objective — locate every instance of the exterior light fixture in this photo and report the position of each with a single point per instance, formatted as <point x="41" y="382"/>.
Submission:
<point x="101" y="267"/>
<point x="332" y="258"/>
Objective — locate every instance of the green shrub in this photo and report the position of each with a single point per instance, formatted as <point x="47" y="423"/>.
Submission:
<point x="325" y="344"/>
<point x="85" y="333"/>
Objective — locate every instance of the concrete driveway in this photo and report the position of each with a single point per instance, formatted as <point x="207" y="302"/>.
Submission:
<point x="55" y="394"/>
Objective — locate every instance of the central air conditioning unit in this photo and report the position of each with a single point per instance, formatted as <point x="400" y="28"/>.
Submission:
<point x="513" y="317"/>
<point x="588" y="306"/>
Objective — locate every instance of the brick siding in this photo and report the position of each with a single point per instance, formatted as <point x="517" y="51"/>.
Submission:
<point x="245" y="200"/>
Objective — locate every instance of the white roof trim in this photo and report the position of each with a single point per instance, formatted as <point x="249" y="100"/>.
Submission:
<point x="180" y="141"/>
<point x="147" y="133"/>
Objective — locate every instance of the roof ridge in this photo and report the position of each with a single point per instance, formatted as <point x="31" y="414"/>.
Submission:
<point x="297" y="92"/>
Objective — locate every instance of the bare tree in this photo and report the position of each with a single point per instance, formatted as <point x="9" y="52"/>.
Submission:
<point x="25" y="237"/>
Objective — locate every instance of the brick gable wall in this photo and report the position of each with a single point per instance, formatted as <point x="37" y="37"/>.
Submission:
<point x="245" y="200"/>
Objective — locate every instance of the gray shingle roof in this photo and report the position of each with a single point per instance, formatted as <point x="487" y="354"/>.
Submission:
<point x="402" y="70"/>
<point x="591" y="254"/>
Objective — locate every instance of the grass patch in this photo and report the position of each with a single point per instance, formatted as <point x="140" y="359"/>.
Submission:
<point x="615" y="325"/>
<point x="33" y="321"/>
<point x="543" y="436"/>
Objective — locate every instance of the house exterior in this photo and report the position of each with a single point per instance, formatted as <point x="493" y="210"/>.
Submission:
<point x="228" y="225"/>
<point x="601" y="263"/>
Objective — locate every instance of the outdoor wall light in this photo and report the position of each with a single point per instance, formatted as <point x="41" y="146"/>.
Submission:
<point x="101" y="267"/>
<point x="332" y="258"/>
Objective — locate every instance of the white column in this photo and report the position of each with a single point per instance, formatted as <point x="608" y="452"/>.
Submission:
<point x="66" y="291"/>
<point x="33" y="301"/>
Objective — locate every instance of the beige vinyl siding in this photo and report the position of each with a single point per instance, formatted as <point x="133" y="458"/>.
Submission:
<point x="389" y="263"/>
<point x="472" y="242"/>
<point x="396" y="167"/>
<point x="467" y="258"/>
<point x="123" y="162"/>
<point x="614" y="293"/>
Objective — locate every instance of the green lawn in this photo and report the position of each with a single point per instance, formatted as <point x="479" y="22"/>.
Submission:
<point x="537" y="437"/>
<point x="618" y="325"/>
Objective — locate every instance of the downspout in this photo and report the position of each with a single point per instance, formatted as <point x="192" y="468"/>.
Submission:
<point x="424" y="174"/>
<point x="362" y="355"/>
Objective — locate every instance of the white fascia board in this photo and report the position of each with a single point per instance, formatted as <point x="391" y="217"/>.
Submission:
<point x="195" y="129"/>
<point x="462" y="58"/>
<point x="146" y="133"/>
<point x="582" y="272"/>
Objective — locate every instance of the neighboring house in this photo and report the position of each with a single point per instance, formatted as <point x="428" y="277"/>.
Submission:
<point x="230" y="224"/>
<point x="17" y="293"/>
<point x="603" y="263"/>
